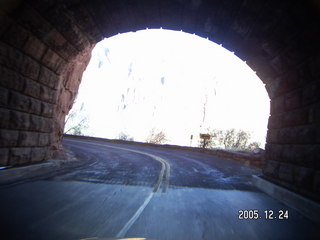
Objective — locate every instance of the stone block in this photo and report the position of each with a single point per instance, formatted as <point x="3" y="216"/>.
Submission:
<point x="272" y="136"/>
<point x="296" y="117"/>
<point x="16" y="60"/>
<point x="306" y="134"/>
<point x="36" y="123"/>
<point x="271" y="169"/>
<point x="277" y="88"/>
<point x="57" y="43"/>
<point x="304" y="73"/>
<point x="279" y="64"/>
<point x="55" y="40"/>
<point x="277" y="105"/>
<point x="5" y="118"/>
<point x="49" y="78"/>
<point x="38" y="154"/>
<point x="293" y="100"/>
<point x="65" y="25"/>
<point x="8" y="138"/>
<point x="19" y="120"/>
<point x="19" y="101"/>
<point x="54" y="96"/>
<point x="47" y="94"/>
<point x="298" y="135"/>
<point x="303" y="177"/>
<point x="301" y="155"/>
<point x="286" y="172"/>
<point x="86" y="20"/>
<point x="4" y="96"/>
<point x="276" y="121"/>
<point x="32" y="88"/>
<point x="11" y="79"/>
<point x="310" y="93"/>
<point x="19" y="156"/>
<point x="44" y="139"/>
<point x="47" y="125"/>
<point x="285" y="136"/>
<point x="293" y="153"/>
<point x="28" y="139"/>
<point x="291" y="55"/>
<point x="54" y="62"/>
<point x="47" y="109"/>
<point x="34" y="48"/>
<point x="271" y="88"/>
<point x="295" y="82"/>
<point x="35" y="106"/>
<point x="4" y="156"/>
<point x="273" y="152"/>
<point x="69" y="52"/>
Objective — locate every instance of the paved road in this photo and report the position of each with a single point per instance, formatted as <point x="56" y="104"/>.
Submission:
<point x="137" y="191"/>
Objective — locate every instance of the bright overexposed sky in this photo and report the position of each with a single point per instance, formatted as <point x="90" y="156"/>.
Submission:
<point x="162" y="79"/>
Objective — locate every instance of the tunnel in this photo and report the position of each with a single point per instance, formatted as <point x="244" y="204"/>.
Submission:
<point x="45" y="45"/>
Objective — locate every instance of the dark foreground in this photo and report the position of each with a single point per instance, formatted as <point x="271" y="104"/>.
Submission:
<point x="135" y="191"/>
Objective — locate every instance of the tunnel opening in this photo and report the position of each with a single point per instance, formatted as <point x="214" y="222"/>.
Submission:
<point x="168" y="87"/>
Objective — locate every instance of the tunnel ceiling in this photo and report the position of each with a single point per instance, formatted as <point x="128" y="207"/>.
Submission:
<point x="45" y="46"/>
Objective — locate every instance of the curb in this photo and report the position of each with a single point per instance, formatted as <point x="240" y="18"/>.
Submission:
<point x="308" y="208"/>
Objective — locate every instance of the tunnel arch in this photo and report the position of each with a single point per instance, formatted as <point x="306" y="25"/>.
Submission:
<point x="46" y="45"/>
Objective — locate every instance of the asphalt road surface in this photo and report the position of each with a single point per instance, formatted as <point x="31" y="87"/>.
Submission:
<point x="124" y="190"/>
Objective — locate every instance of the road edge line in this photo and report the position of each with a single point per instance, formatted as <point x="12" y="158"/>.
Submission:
<point x="134" y="218"/>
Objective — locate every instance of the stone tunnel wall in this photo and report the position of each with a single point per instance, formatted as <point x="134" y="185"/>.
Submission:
<point x="41" y="69"/>
<point x="46" y="44"/>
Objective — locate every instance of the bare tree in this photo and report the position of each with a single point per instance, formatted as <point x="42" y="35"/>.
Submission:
<point x="254" y="145"/>
<point x="125" y="137"/>
<point x="217" y="138"/>
<point x="157" y="137"/>
<point x="232" y="139"/>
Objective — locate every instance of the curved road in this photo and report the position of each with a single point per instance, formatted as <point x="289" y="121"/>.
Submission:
<point x="124" y="190"/>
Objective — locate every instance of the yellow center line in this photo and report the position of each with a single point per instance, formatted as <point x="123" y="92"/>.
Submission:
<point x="165" y="166"/>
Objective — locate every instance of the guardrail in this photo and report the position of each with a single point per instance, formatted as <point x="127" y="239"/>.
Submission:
<point x="249" y="159"/>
